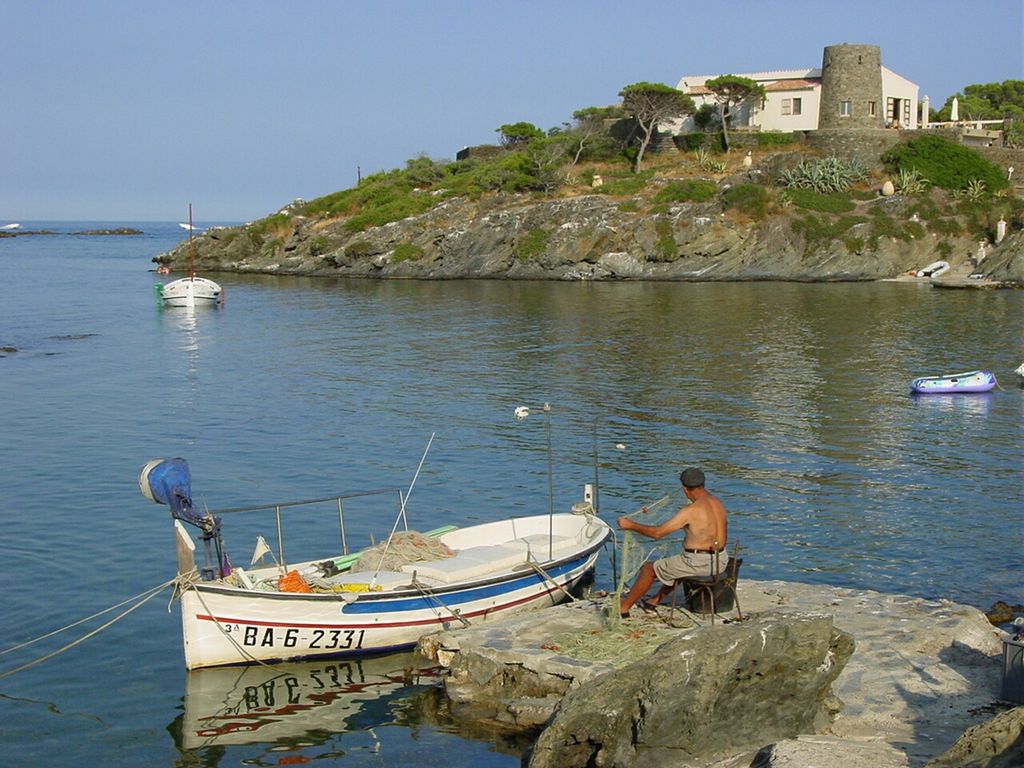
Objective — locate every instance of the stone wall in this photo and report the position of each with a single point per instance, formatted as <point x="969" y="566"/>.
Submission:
<point x="865" y="145"/>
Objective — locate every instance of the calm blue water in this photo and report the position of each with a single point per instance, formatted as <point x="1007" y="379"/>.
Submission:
<point x="792" y="397"/>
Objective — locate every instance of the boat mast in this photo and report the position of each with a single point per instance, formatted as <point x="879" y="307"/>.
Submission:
<point x="191" y="256"/>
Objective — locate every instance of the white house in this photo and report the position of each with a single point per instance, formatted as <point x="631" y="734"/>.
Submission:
<point x="792" y="101"/>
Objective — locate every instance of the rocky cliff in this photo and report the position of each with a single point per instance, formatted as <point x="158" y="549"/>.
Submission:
<point x="597" y="237"/>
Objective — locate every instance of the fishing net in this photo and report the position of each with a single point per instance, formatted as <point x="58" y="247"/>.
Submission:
<point x="634" y="549"/>
<point x="405" y="547"/>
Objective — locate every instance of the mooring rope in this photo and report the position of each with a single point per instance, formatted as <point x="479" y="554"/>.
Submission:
<point x="142" y="598"/>
<point x="245" y="654"/>
<point x="547" y="577"/>
<point x="429" y="594"/>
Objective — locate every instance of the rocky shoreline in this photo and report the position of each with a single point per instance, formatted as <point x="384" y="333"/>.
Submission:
<point x="815" y="675"/>
<point x="590" y="237"/>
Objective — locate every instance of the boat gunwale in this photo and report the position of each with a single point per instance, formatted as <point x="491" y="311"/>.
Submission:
<point x="405" y="592"/>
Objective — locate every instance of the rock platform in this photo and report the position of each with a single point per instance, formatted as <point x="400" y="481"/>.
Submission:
<point x="921" y="672"/>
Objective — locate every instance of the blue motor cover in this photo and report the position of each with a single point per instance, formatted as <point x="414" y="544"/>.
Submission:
<point x="167" y="481"/>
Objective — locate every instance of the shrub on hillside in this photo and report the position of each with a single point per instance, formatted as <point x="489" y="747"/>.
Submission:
<point x="775" y="139"/>
<point x="406" y="252"/>
<point x="749" y="199"/>
<point x="687" y="191"/>
<point x="816" y="201"/>
<point x="531" y="245"/>
<point x="945" y="164"/>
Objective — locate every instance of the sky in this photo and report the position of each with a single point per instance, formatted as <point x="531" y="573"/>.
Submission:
<point x="131" y="110"/>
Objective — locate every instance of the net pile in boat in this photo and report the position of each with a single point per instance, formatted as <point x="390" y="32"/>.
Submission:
<point x="405" y="547"/>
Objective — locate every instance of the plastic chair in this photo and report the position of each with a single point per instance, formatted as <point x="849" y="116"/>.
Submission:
<point x="714" y="593"/>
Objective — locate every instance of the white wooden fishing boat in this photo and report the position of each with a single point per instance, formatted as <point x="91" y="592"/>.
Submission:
<point x="191" y="291"/>
<point x="357" y="603"/>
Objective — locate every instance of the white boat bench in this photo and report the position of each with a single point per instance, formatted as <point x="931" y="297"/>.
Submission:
<point x="474" y="562"/>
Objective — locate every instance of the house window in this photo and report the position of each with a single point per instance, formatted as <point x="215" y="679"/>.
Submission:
<point x="791" y="107"/>
<point x="796" y="106"/>
<point x="872" y="108"/>
<point x="845" y="109"/>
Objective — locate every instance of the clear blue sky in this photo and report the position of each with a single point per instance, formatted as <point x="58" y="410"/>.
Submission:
<point x="130" y="110"/>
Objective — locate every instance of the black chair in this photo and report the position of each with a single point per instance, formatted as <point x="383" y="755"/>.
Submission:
<point x="715" y="593"/>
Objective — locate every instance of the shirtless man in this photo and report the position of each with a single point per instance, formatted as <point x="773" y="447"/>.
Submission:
<point x="707" y="532"/>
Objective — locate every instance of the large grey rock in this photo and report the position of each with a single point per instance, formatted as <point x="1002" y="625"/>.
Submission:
<point x="512" y="671"/>
<point x="710" y="692"/>
<point x="999" y="743"/>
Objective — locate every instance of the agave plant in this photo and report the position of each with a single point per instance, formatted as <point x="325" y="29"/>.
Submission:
<point x="830" y="174"/>
<point x="708" y="163"/>
<point x="975" y="190"/>
<point x="910" y="182"/>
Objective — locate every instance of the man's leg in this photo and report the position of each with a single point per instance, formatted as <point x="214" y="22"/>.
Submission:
<point x="643" y="582"/>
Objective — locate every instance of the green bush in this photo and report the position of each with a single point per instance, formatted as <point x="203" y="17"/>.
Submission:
<point x="816" y="201"/>
<point x="626" y="185"/>
<point x="268" y="224"/>
<point x="686" y="191"/>
<point x="750" y="199"/>
<point x="944" y="248"/>
<point x="949" y="227"/>
<point x="775" y="139"/>
<point x="531" y="245"/>
<point x="815" y="229"/>
<point x="317" y="245"/>
<point x="667" y="248"/>
<point x="406" y="252"/>
<point x="945" y="164"/>
<point x="688" y="142"/>
<point x="359" y="249"/>
<point x="629" y="206"/>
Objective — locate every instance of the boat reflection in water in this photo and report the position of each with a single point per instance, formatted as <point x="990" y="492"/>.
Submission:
<point x="979" y="404"/>
<point x="293" y="705"/>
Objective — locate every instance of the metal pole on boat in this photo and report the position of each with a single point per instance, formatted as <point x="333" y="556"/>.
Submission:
<point x="522" y="412"/>
<point x="551" y="492"/>
<point x="280" y="539"/>
<point x="341" y="525"/>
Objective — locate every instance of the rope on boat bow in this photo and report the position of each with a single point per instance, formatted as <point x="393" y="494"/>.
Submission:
<point x="139" y="600"/>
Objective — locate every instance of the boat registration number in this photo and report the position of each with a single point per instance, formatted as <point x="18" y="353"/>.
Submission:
<point x="276" y="637"/>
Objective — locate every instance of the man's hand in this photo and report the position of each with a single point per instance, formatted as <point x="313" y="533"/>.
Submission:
<point x="625" y="523"/>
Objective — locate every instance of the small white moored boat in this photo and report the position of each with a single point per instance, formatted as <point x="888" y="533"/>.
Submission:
<point x="191" y="291"/>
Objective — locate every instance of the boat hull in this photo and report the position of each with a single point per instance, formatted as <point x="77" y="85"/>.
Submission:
<point x="191" y="292"/>
<point x="969" y="382"/>
<point x="223" y="624"/>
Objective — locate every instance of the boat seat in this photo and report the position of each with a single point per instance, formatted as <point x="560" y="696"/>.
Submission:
<point x="537" y="545"/>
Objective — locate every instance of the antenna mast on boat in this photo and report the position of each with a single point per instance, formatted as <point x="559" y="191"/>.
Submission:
<point x="191" y="255"/>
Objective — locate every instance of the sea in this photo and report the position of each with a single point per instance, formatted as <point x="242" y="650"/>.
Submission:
<point x="793" y="398"/>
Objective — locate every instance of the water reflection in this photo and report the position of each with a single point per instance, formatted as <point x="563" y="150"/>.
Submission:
<point x="366" y="710"/>
<point x="294" y="703"/>
<point x="975" y="404"/>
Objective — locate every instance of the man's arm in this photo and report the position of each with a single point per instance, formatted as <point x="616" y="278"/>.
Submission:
<point x="675" y="523"/>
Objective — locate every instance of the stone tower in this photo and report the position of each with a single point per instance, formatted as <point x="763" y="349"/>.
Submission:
<point x="851" y="87"/>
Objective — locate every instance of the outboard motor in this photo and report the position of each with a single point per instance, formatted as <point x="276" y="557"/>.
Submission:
<point x="167" y="481"/>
